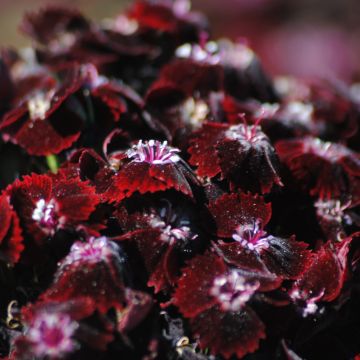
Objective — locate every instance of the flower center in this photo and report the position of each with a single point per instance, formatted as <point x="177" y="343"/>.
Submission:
<point x="331" y="209"/>
<point x="306" y="301"/>
<point x="238" y="55"/>
<point x="92" y="77"/>
<point x="51" y="335"/>
<point x="45" y="214"/>
<point x="63" y="42"/>
<point x="251" y="237"/>
<point x="327" y="150"/>
<point x="124" y="25"/>
<point x="94" y="250"/>
<point x="244" y="132"/>
<point x="194" y="112"/>
<point x="170" y="234"/>
<point x="233" y="291"/>
<point x="154" y="152"/>
<point x="298" y="112"/>
<point x="207" y="53"/>
<point x="39" y="105"/>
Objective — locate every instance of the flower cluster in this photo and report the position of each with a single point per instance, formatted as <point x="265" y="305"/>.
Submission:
<point x="163" y="198"/>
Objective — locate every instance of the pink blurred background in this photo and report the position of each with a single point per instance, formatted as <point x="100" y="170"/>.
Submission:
<point x="301" y="37"/>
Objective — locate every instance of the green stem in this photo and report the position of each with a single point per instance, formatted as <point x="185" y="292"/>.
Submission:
<point x="52" y="163"/>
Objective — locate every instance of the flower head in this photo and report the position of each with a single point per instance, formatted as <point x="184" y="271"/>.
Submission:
<point x="92" y="268"/>
<point x="251" y="237"/>
<point x="94" y="250"/>
<point x="41" y="121"/>
<point x="150" y="166"/>
<point x="226" y="149"/>
<point x="325" y="169"/>
<point x="51" y="329"/>
<point x="213" y="296"/>
<point x="232" y="291"/>
<point x="46" y="204"/>
<point x="243" y="218"/>
<point x="45" y="214"/>
<point x="52" y="335"/>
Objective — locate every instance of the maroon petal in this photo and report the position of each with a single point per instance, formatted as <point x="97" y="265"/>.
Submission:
<point x="325" y="275"/>
<point x="231" y="210"/>
<point x="203" y="152"/>
<point x="76" y="199"/>
<point x="88" y="165"/>
<point x="111" y="100"/>
<point x="249" y="264"/>
<point x="192" y="295"/>
<point x="11" y="240"/>
<point x="165" y="17"/>
<point x="153" y="251"/>
<point x="41" y="138"/>
<point x="138" y="306"/>
<point x="143" y="177"/>
<point x="162" y="275"/>
<point x="78" y="309"/>
<point x="91" y="269"/>
<point x="228" y="333"/>
<point x="157" y="17"/>
<point x="193" y="77"/>
<point x="173" y="178"/>
<point x="287" y="258"/>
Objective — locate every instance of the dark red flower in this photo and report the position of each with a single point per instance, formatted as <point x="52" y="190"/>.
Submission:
<point x="11" y="240"/>
<point x="222" y="149"/>
<point x="123" y="242"/>
<point x="150" y="166"/>
<point x="324" y="278"/>
<point x="186" y="94"/>
<point x="93" y="269"/>
<point x="325" y="169"/>
<point x="53" y="25"/>
<point x="45" y="204"/>
<point x="215" y="299"/>
<point x="324" y="108"/>
<point x="162" y="234"/>
<point x="44" y="121"/>
<point x="243" y="218"/>
<point x="65" y="35"/>
<point x="55" y="330"/>
<point x="244" y="76"/>
<point x="173" y="18"/>
<point x="335" y="216"/>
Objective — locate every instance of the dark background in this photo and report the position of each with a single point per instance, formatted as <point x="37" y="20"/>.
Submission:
<point x="301" y="37"/>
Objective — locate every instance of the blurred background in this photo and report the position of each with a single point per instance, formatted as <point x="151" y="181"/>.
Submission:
<point x="300" y="37"/>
